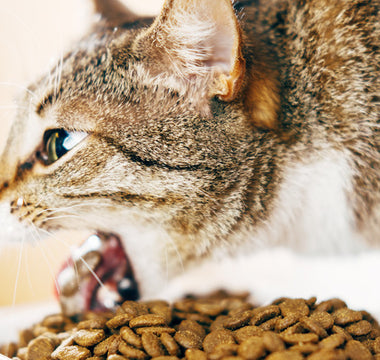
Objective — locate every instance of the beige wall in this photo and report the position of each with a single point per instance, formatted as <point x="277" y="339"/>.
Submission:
<point x="32" y="34"/>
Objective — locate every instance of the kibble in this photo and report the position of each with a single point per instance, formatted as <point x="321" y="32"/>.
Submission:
<point x="220" y="326"/>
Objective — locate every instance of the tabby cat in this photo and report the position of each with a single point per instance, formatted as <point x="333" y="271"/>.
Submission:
<point x="210" y="131"/>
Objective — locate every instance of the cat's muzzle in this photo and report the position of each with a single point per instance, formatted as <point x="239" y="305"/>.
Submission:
<point x="97" y="276"/>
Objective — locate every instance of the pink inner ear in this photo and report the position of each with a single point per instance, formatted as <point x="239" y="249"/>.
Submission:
<point x="222" y="43"/>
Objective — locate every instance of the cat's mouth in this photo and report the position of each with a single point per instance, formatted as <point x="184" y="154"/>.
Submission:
<point x="96" y="277"/>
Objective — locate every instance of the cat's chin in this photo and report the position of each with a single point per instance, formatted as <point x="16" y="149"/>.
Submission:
<point x="98" y="276"/>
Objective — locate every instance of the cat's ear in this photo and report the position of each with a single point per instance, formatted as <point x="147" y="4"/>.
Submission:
<point x="198" y="38"/>
<point x="113" y="12"/>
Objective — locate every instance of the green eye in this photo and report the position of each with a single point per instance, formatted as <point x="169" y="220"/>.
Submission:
<point x="58" y="142"/>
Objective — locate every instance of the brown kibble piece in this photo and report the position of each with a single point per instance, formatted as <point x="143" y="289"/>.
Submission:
<point x="184" y="305"/>
<point x="152" y="345"/>
<point x="222" y="351"/>
<point x="210" y="308"/>
<point x="195" y="354"/>
<point x="96" y="323"/>
<point x="22" y="353"/>
<point x="264" y="313"/>
<point x="115" y="357"/>
<point x="193" y="326"/>
<point x="294" y="306"/>
<point x="134" y="308"/>
<point x="131" y="352"/>
<point x="287" y="321"/>
<point x="246" y="332"/>
<point x="39" y="330"/>
<point x="158" y="330"/>
<point x="217" y="337"/>
<point x="376" y="345"/>
<point x="40" y="348"/>
<point x="218" y="323"/>
<point x="9" y="349"/>
<point x="252" y="348"/>
<point x="359" y="328"/>
<point x="200" y="318"/>
<point x="170" y="344"/>
<point x="238" y="320"/>
<point x="313" y="326"/>
<point x="56" y="321"/>
<point x="285" y="355"/>
<point x="188" y="339"/>
<point x="346" y="316"/>
<point x="297" y="328"/>
<point x="162" y="309"/>
<point x="147" y="320"/>
<point x="119" y="320"/>
<point x="25" y="336"/>
<point x="357" y="351"/>
<point x="109" y="345"/>
<point x="71" y="353"/>
<point x="328" y="354"/>
<point x="90" y="337"/>
<point x="240" y="309"/>
<point x="272" y="342"/>
<point x="299" y="338"/>
<point x="128" y="335"/>
<point x="339" y="330"/>
<point x="323" y="318"/>
<point x="271" y="324"/>
<point x="331" y="305"/>
<point x="306" y="348"/>
<point x="332" y="342"/>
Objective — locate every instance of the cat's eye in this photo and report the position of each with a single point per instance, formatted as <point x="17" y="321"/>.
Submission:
<point x="58" y="142"/>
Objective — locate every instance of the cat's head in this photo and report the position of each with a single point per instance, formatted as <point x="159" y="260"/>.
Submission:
<point x="145" y="130"/>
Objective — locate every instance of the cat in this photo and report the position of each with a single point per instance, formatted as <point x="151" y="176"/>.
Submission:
<point x="210" y="131"/>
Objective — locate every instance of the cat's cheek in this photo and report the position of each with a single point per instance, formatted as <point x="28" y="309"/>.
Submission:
<point x="13" y="230"/>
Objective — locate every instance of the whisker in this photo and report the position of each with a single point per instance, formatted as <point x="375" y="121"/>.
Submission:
<point x="92" y="272"/>
<point x="18" y="271"/>
<point x="27" y="267"/>
<point x="179" y="256"/>
<point x="58" y="74"/>
<point x="43" y="253"/>
<point x="62" y="217"/>
<point x="66" y="208"/>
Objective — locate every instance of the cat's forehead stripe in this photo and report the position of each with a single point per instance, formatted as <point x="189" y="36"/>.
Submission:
<point x="47" y="101"/>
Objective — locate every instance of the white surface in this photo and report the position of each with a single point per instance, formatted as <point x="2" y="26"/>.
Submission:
<point x="274" y="273"/>
<point x="16" y="318"/>
<point x="269" y="274"/>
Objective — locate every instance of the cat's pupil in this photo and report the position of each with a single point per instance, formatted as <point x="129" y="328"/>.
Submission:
<point x="59" y="142"/>
<point x="55" y="147"/>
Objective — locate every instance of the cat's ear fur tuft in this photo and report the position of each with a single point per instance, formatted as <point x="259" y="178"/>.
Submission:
<point x="195" y="39"/>
<point x="113" y="12"/>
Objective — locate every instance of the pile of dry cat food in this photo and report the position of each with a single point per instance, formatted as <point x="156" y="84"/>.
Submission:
<point x="219" y="326"/>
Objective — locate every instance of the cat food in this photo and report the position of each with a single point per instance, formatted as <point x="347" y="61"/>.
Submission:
<point x="219" y="326"/>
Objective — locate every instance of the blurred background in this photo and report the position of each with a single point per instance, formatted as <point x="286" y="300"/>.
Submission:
<point x="33" y="34"/>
